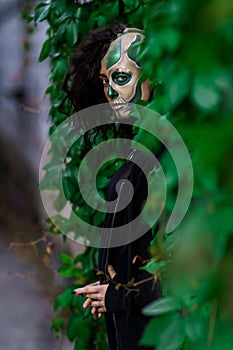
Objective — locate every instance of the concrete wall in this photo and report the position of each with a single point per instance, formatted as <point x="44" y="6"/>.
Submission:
<point x="22" y="85"/>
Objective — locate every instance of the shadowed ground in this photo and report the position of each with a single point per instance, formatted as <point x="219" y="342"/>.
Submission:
<point x="28" y="287"/>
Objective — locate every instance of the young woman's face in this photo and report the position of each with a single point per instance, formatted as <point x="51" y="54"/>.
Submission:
<point x="120" y="74"/>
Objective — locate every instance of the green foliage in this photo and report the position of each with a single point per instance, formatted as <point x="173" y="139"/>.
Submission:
<point x="77" y="323"/>
<point x="187" y="55"/>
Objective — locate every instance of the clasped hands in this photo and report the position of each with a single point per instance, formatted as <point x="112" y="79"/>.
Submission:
<point x="95" y="294"/>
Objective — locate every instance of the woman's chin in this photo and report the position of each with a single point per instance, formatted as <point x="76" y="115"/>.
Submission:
<point x="123" y="112"/>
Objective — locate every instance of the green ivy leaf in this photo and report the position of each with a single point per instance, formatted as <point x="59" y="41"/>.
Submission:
<point x="205" y="95"/>
<point x="72" y="33"/>
<point x="63" y="300"/>
<point x="57" y="325"/>
<point x="65" y="258"/>
<point x="59" y="68"/>
<point x="169" y="38"/>
<point x="102" y="181"/>
<point x="178" y="87"/>
<point x="84" y="340"/>
<point x="44" y="51"/>
<point x="48" y="182"/>
<point x="65" y="271"/>
<point x="101" y="21"/>
<point x="162" y="306"/>
<point x="153" y="266"/>
<point x="164" y="333"/>
<point x="195" y="327"/>
<point x="68" y="187"/>
<point x="41" y="12"/>
<point x="75" y="322"/>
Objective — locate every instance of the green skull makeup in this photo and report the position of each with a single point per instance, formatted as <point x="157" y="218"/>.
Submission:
<point x="120" y="73"/>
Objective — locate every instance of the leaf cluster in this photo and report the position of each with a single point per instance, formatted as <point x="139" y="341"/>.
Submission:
<point x="187" y="55"/>
<point x="68" y="23"/>
<point x="187" y="58"/>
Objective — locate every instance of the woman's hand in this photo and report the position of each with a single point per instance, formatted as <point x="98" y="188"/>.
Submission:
<point x="95" y="297"/>
<point x="88" y="301"/>
<point x="95" y="294"/>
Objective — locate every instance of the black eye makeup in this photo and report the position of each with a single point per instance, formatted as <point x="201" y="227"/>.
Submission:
<point x="121" y="78"/>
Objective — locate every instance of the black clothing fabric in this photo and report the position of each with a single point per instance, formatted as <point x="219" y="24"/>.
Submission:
<point x="124" y="320"/>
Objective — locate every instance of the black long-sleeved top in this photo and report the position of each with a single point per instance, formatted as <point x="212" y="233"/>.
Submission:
<point x="124" y="320"/>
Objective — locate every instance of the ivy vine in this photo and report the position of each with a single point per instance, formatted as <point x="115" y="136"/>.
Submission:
<point x="188" y="58"/>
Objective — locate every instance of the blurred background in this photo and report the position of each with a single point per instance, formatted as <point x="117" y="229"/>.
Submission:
<point x="28" y="283"/>
<point x="188" y="59"/>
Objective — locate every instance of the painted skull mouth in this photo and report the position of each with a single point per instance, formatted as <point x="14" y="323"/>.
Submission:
<point x="118" y="103"/>
<point x="118" y="106"/>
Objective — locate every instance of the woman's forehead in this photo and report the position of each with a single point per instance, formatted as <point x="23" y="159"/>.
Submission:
<point x="123" y="48"/>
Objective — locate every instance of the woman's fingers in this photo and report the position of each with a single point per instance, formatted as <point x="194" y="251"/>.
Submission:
<point x="93" y="310"/>
<point x="89" y="289"/>
<point x="94" y="284"/>
<point x="81" y="291"/>
<point x="96" y="310"/>
<point x="97" y="303"/>
<point x="87" y="303"/>
<point x="95" y="294"/>
<point x="101" y="310"/>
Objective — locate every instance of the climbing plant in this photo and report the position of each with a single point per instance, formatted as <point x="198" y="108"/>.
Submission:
<point x="188" y="50"/>
<point x="188" y="57"/>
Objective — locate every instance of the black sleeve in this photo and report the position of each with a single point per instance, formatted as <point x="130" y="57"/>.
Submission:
<point x="119" y="298"/>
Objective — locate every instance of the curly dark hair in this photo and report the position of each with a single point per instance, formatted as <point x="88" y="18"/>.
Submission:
<point x="82" y="85"/>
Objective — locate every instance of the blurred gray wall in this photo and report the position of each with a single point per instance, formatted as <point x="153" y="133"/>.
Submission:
<point x="22" y="85"/>
<point x="27" y="305"/>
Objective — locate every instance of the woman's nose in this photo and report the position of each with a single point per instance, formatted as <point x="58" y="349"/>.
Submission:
<point x="111" y="92"/>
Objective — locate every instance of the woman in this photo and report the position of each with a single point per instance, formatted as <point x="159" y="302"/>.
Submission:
<point x="105" y="68"/>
